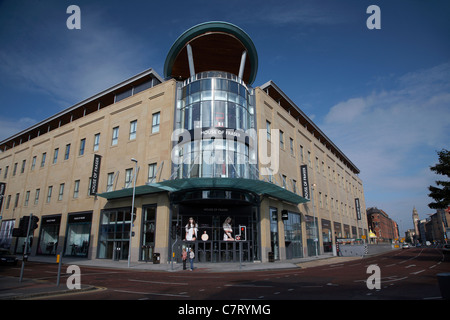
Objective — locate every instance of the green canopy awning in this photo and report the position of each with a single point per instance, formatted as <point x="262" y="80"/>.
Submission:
<point x="258" y="187"/>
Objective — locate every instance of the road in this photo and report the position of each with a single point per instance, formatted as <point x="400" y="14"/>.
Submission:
<point x="404" y="274"/>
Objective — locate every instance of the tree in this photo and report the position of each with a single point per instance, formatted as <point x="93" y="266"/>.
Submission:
<point x="441" y="196"/>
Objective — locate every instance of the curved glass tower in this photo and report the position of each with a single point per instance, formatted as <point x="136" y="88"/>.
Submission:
<point x="215" y="113"/>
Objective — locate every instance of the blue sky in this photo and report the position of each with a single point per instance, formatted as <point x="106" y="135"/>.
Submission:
<point x="383" y="96"/>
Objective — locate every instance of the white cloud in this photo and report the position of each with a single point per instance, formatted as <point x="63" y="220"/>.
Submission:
<point x="392" y="135"/>
<point x="9" y="127"/>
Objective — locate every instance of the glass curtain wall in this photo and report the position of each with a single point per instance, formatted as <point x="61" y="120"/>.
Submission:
<point x="216" y="109"/>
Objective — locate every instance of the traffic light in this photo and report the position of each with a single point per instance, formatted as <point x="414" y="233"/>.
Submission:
<point x="243" y="233"/>
<point x="23" y="226"/>
<point x="34" y="223"/>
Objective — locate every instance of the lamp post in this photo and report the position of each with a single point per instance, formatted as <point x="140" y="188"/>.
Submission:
<point x="314" y="214"/>
<point x="132" y="208"/>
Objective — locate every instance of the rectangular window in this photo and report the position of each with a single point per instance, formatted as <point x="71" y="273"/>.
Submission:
<point x="33" y="163"/>
<point x="96" y="141"/>
<point x="6" y="172"/>
<point x="36" y="196"/>
<point x="155" y="122"/>
<point x="151" y="172"/>
<point x="44" y="156"/>
<point x="61" y="191"/>
<point x="27" y="198"/>
<point x="110" y="182"/>
<point x="67" y="153"/>
<point x="15" y="169"/>
<point x="55" y="155"/>
<point x="281" y="139"/>
<point x="76" y="189"/>
<point x="268" y="130"/>
<point x="115" y="136"/>
<point x="128" y="178"/>
<point x="8" y="201"/>
<point x="291" y="141"/>
<point x="49" y="193"/>
<point x="133" y="128"/>
<point x="16" y="202"/>
<point x="301" y="154"/>
<point x="82" y="145"/>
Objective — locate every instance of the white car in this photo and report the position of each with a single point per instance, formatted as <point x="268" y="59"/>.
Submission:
<point x="405" y="246"/>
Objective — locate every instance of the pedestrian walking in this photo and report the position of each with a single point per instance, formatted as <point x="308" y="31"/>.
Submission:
<point x="191" y="258"/>
<point x="184" y="258"/>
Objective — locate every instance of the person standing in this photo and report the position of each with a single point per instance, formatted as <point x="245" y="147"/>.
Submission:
<point x="191" y="258"/>
<point x="184" y="258"/>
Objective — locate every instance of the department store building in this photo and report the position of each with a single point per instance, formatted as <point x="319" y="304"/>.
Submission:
<point x="210" y="162"/>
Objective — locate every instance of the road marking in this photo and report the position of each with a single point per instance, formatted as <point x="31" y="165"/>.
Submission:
<point x="390" y="265"/>
<point x="153" y="293"/>
<point x="159" y="282"/>
<point x="417" y="272"/>
<point x="246" y="286"/>
<point x="411" y="265"/>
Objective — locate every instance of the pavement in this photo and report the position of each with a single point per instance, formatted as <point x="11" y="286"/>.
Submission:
<point x="11" y="289"/>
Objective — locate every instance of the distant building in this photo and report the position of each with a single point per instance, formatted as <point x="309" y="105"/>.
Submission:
<point x="384" y="227"/>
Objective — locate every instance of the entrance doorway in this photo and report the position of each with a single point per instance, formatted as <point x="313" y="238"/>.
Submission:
<point x="218" y="231"/>
<point x="120" y="250"/>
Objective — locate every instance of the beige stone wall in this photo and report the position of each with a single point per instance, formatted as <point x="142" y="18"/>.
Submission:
<point x="147" y="148"/>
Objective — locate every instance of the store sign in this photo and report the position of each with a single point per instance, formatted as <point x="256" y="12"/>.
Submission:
<point x="2" y="192"/>
<point x="95" y="175"/>
<point x="358" y="209"/>
<point x="304" y="181"/>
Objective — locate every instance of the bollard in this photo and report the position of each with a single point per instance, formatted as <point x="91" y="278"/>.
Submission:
<point x="58" y="261"/>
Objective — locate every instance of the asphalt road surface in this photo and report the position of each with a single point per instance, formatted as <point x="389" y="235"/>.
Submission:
<point x="404" y="275"/>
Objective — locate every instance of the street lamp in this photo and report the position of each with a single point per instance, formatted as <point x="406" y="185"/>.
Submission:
<point x="314" y="214"/>
<point x="132" y="208"/>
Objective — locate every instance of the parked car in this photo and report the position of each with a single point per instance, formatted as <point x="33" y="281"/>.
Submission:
<point x="7" y="258"/>
<point x="446" y="248"/>
<point x="405" y="246"/>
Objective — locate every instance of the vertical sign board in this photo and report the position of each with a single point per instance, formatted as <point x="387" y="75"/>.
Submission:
<point x="2" y="194"/>
<point x="358" y="209"/>
<point x="304" y="182"/>
<point x="95" y="175"/>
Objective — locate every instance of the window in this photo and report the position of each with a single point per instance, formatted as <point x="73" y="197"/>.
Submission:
<point x="82" y="145"/>
<point x="281" y="139"/>
<point x="115" y="136"/>
<point x="151" y="172"/>
<point x="67" y="153"/>
<point x="155" y="122"/>
<point x="6" y="172"/>
<point x="61" y="191"/>
<point x="16" y="202"/>
<point x="36" y="196"/>
<point x="8" y="201"/>
<point x="96" y="141"/>
<point x="49" y="193"/>
<point x="309" y="159"/>
<point x="55" y="155"/>
<point x="294" y="186"/>
<point x="27" y="198"/>
<point x="110" y="182"/>
<point x="33" y="163"/>
<point x="284" y="181"/>
<point x="268" y="130"/>
<point x="76" y="189"/>
<point x="15" y="169"/>
<point x="128" y="178"/>
<point x="301" y="154"/>
<point x="291" y="142"/>
<point x="133" y="128"/>
<point x="44" y="156"/>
